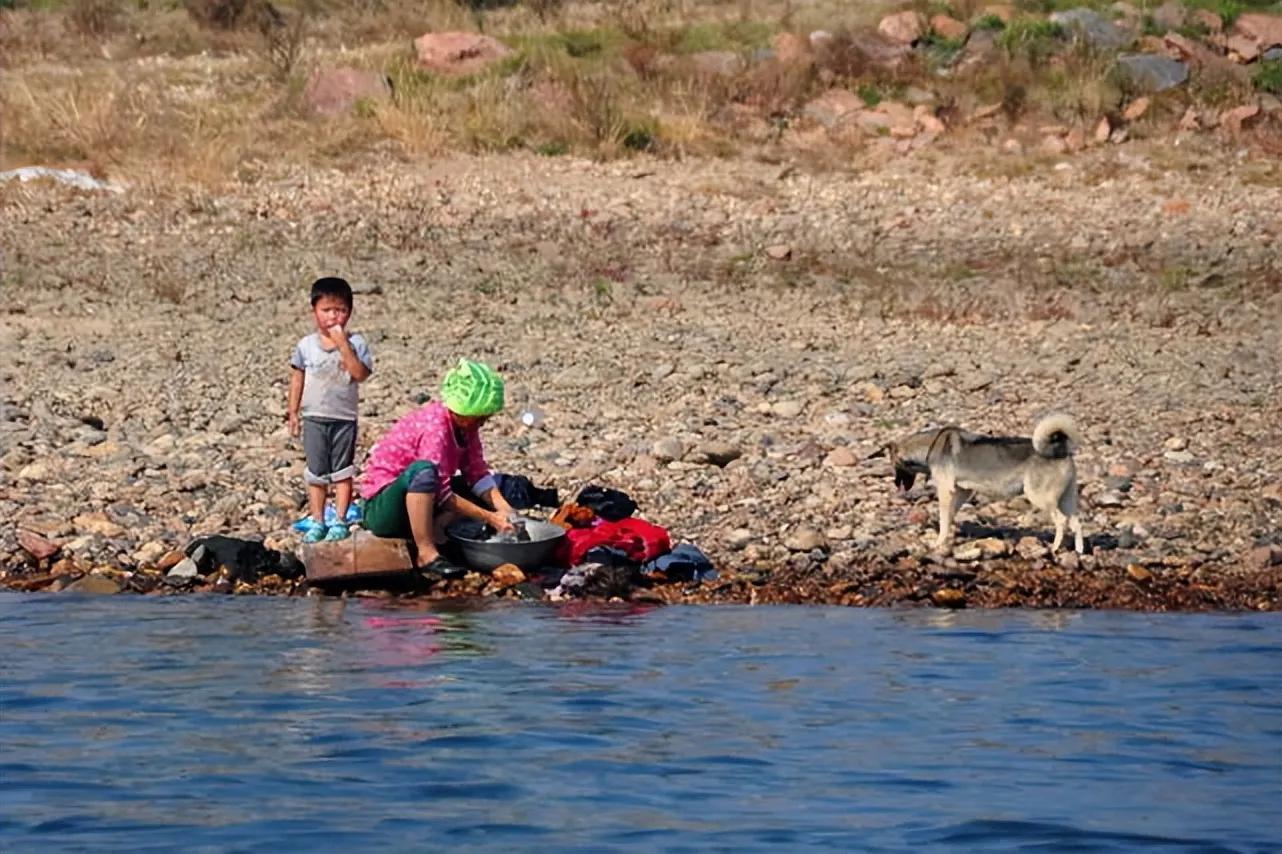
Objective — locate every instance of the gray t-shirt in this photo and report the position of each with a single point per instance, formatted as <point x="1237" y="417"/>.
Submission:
<point x="328" y="390"/>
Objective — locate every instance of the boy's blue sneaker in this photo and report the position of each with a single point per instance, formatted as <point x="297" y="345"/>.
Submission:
<point x="315" y="532"/>
<point x="337" y="531"/>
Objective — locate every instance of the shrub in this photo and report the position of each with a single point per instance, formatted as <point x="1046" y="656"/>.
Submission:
<point x="93" y="17"/>
<point x="1268" y="77"/>
<point x="1035" y="38"/>
<point x="219" y="14"/>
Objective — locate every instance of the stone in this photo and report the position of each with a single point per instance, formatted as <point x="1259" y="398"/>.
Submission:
<point x="840" y="457"/>
<point x="833" y="108"/>
<point x="458" y="53"/>
<point x="787" y="408"/>
<point x="507" y="575"/>
<point x="336" y="91"/>
<point x="37" y="546"/>
<point x="1136" y="109"/>
<point x="779" y="252"/>
<point x="1265" y="29"/>
<point x="738" y="538"/>
<point x="149" y="553"/>
<point x="967" y="553"/>
<point x="1109" y="498"/>
<point x="873" y="48"/>
<point x="1031" y="548"/>
<point x="716" y="453"/>
<point x="1138" y="573"/>
<point x="948" y="27"/>
<point x="949" y="597"/>
<point x="96" y="585"/>
<point x="1262" y="557"/>
<point x="902" y="27"/>
<point x="992" y="547"/>
<point x="804" y="540"/>
<point x="1235" y="119"/>
<point x="98" y="523"/>
<point x="1175" y="443"/>
<point x="667" y="450"/>
<point x="37" y="471"/>
<point x="360" y="555"/>
<point x="1242" y="49"/>
<point x="1152" y="73"/>
<point x="1093" y="28"/>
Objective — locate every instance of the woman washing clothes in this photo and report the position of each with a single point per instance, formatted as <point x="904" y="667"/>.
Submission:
<point x="407" y="477"/>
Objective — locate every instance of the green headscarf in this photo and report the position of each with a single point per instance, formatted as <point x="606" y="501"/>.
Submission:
<point x="472" y="388"/>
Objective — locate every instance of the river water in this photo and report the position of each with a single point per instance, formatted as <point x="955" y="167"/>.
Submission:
<point x="257" y="724"/>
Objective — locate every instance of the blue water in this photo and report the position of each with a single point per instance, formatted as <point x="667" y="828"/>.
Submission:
<point x="251" y="724"/>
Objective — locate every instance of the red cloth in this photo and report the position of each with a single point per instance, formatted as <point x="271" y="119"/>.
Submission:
<point x="640" y="540"/>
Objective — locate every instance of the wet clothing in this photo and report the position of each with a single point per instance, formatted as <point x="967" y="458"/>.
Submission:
<point x="328" y="389"/>
<point x="640" y="540"/>
<point x="610" y="504"/>
<point x="428" y="435"/>
<point x="684" y="563"/>
<point x="329" y="446"/>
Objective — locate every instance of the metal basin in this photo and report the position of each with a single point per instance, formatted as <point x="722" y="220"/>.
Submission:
<point x="532" y="555"/>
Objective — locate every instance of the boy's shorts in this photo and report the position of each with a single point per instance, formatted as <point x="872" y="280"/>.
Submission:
<point x="330" y="447"/>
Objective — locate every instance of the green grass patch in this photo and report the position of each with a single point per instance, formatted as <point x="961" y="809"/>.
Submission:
<point x="989" y="22"/>
<point x="1035" y="38"/>
<point x="737" y="36"/>
<point x="1268" y="77"/>
<point x="869" y="94"/>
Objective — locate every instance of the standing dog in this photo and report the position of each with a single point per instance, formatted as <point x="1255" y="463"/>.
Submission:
<point x="963" y="463"/>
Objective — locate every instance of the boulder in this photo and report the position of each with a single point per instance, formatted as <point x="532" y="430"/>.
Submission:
<point x="1151" y="73"/>
<point x="336" y="91"/>
<point x="458" y="53"/>
<point x="902" y="27"/>
<point x="1093" y="28"/>
<point x="1266" y="30"/>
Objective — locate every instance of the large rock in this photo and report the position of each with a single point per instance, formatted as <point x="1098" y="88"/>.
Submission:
<point x="458" y="53"/>
<point x="715" y="63"/>
<point x="1093" y="28"/>
<point x="1149" y="72"/>
<point x="833" y="108"/>
<point x="902" y="27"/>
<point x="868" y="47"/>
<point x="1266" y="30"/>
<point x="948" y="27"/>
<point x="335" y="91"/>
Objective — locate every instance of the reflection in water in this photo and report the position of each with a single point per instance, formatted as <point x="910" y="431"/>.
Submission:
<point x="238" y="724"/>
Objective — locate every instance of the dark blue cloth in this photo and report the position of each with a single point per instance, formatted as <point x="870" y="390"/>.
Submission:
<point x="610" y="504"/>
<point x="684" y="563"/>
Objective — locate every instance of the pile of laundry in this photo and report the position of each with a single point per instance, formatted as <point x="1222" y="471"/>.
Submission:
<point x="607" y="548"/>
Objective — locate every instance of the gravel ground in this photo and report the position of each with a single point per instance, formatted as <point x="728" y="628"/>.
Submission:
<point x="668" y="318"/>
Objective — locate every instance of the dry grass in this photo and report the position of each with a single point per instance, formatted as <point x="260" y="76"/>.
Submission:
<point x="126" y="88"/>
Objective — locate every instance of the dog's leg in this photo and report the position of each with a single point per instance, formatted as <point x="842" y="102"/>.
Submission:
<point x="947" y="508"/>
<point x="1075" y="523"/>
<point x="1060" y="519"/>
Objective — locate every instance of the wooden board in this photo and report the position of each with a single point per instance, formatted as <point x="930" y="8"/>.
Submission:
<point x="360" y="555"/>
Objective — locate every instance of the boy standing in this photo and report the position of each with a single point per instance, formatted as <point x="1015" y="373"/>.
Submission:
<point x="323" y="387"/>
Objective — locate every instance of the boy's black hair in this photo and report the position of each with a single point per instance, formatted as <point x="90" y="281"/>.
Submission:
<point x="331" y="286"/>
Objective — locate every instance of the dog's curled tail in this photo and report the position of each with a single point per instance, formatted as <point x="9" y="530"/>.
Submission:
<point x="1055" y="436"/>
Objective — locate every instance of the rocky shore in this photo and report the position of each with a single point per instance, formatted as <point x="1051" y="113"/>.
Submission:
<point x="725" y="341"/>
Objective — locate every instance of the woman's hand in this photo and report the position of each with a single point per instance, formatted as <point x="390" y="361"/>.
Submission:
<point x="500" y="523"/>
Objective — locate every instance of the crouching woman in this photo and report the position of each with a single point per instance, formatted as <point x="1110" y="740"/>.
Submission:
<point x="407" y="478"/>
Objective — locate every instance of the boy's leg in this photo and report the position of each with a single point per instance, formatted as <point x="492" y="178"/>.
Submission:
<point x="342" y="450"/>
<point x="316" y="450"/>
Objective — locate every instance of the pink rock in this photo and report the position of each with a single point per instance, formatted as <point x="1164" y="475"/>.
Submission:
<point x="458" y="53"/>
<point x="790" y="48"/>
<point x="37" y="546"/>
<point x="1103" y="130"/>
<point x="1233" y="120"/>
<point x="949" y="27"/>
<point x="1266" y="30"/>
<point x="902" y="27"/>
<point x="334" y="91"/>
<point x="1135" y="109"/>
<point x="927" y="120"/>
<point x="833" y="108"/>
<point x="1002" y="11"/>
<point x="1244" y="47"/>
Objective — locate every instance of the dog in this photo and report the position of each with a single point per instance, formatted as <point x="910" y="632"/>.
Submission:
<point x="963" y="463"/>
